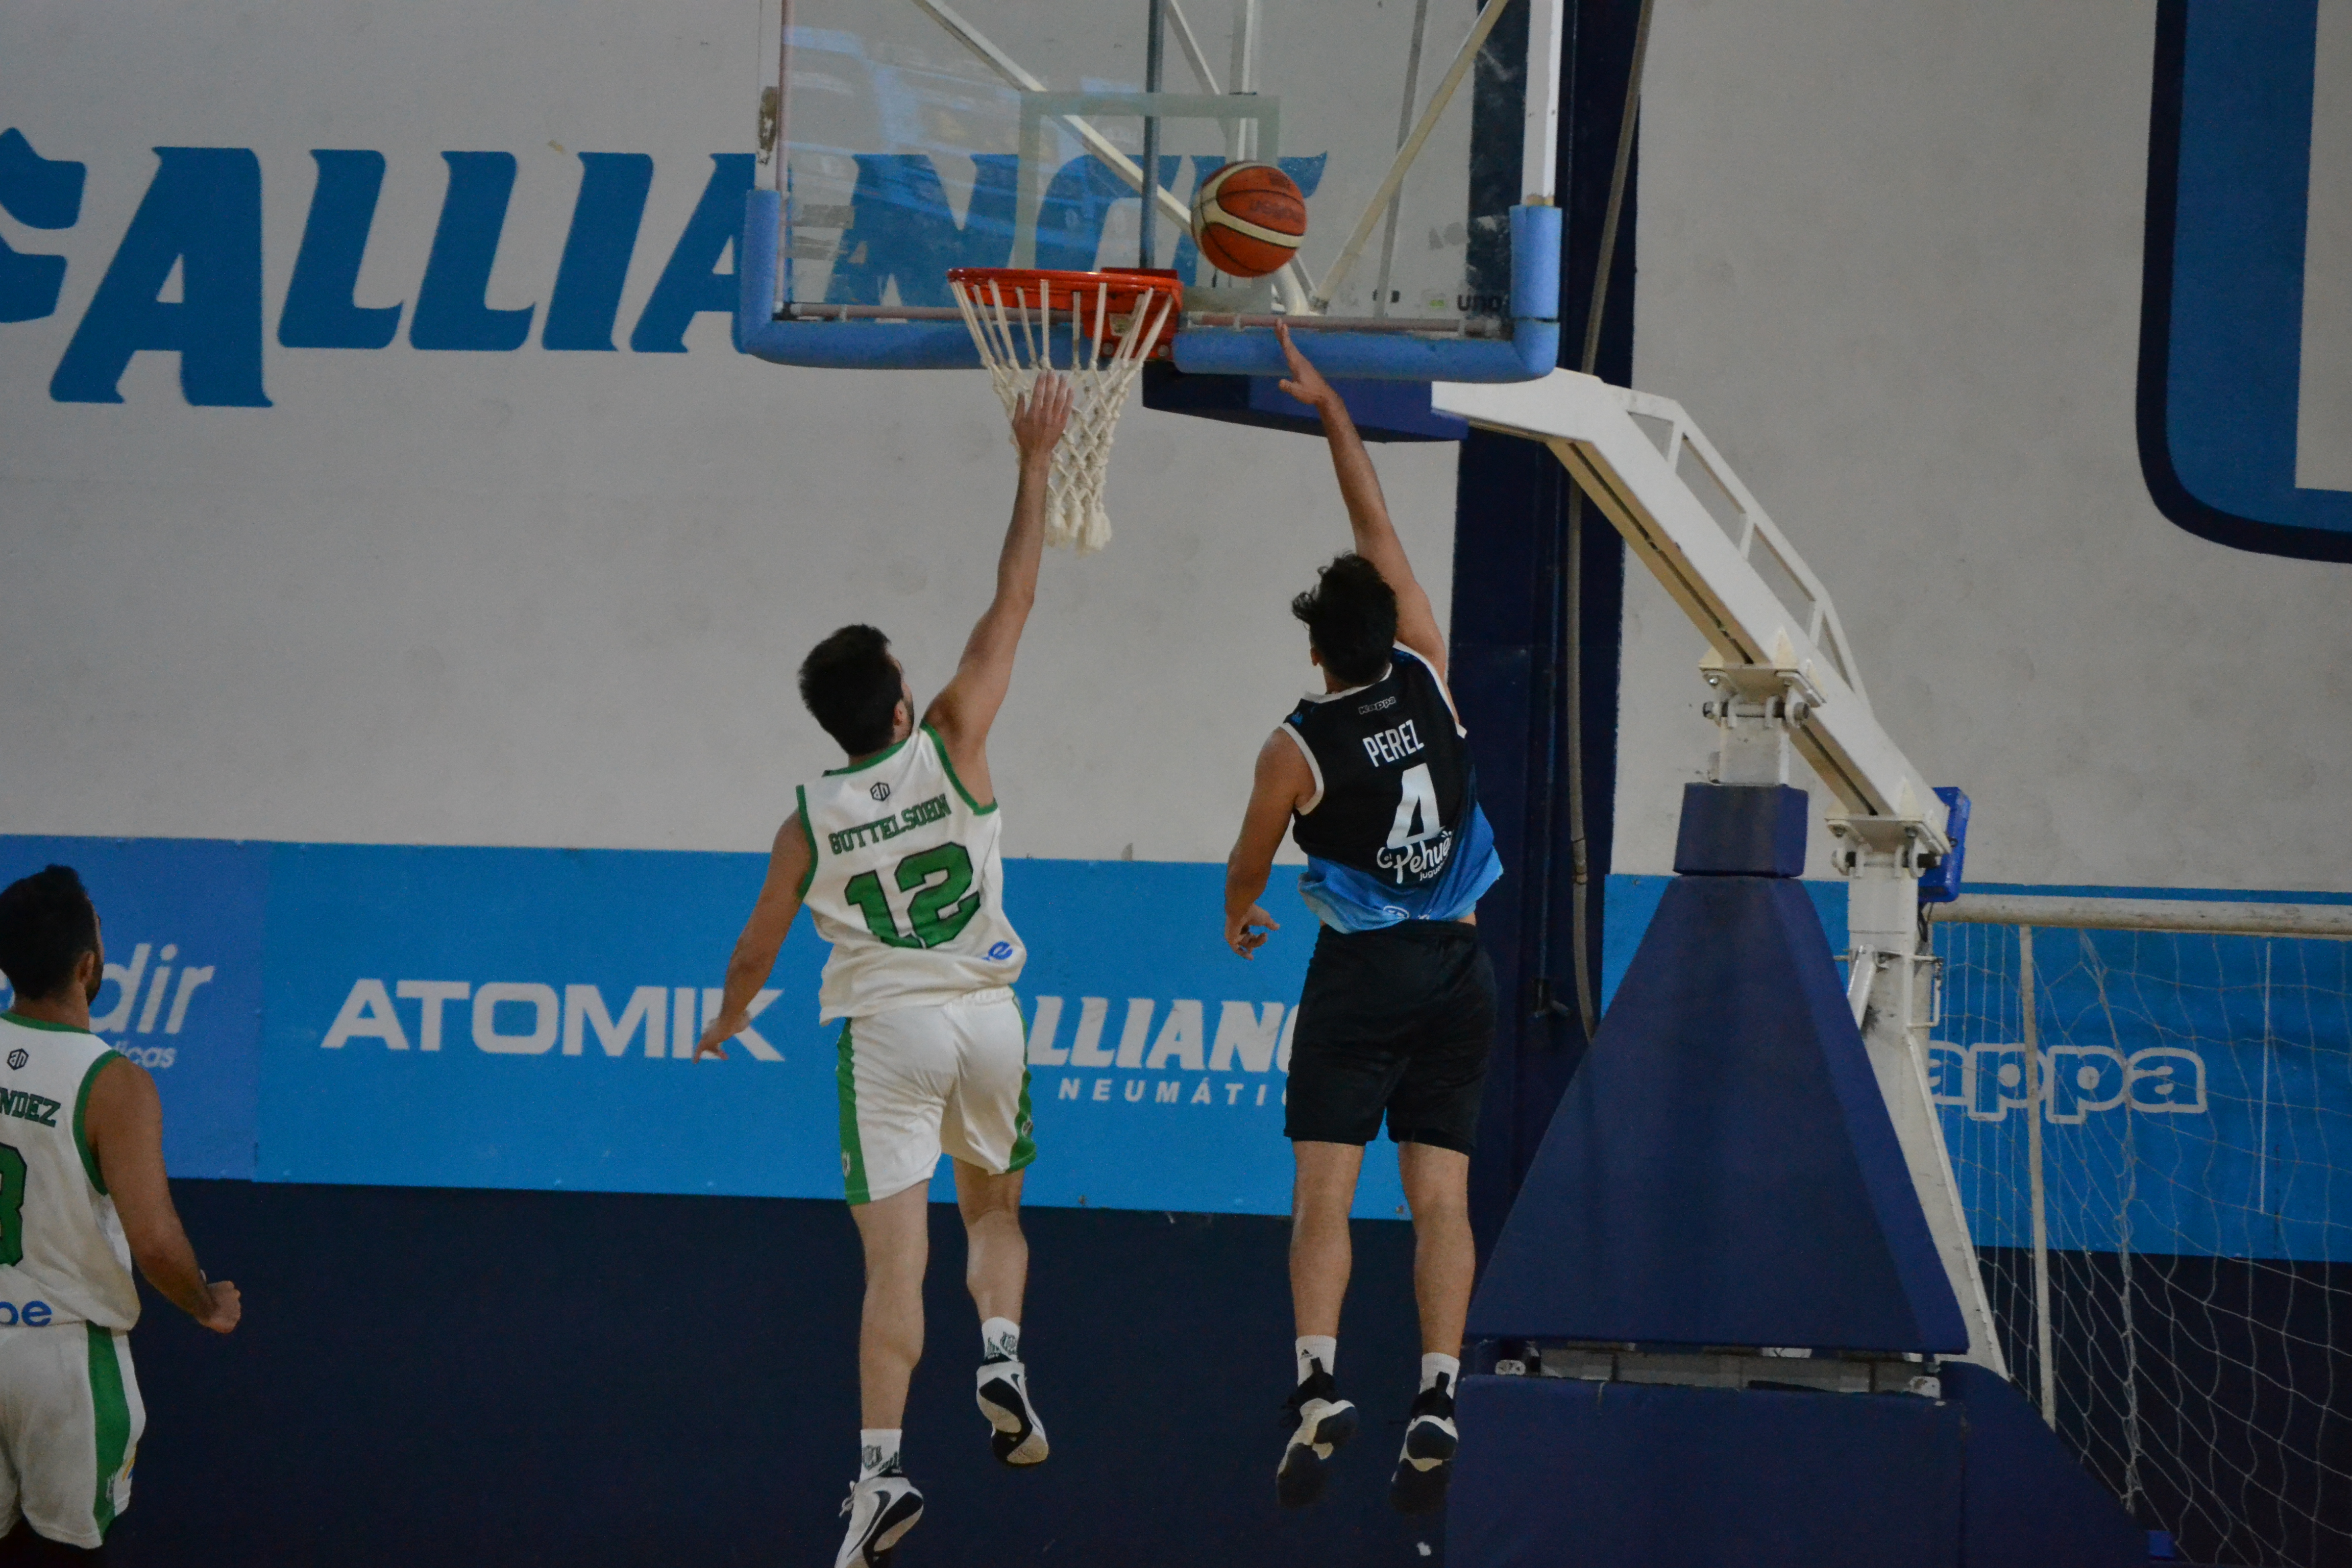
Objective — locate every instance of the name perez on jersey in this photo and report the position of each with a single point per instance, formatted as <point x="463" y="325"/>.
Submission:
<point x="1393" y="745"/>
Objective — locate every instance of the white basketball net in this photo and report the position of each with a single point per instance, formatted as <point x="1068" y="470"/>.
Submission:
<point x="1014" y="328"/>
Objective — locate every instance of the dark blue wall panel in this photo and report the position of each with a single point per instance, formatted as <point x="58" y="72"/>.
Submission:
<point x="429" y="1376"/>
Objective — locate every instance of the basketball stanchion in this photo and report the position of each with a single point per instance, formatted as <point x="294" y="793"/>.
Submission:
<point x="1097" y="329"/>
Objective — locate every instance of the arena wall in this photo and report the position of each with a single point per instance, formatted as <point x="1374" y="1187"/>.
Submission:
<point x="1892" y="262"/>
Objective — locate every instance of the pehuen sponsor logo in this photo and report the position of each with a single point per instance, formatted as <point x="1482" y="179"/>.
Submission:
<point x="153" y="995"/>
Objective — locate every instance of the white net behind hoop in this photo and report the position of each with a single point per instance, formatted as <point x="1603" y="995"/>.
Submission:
<point x="2193" y="1106"/>
<point x="1021" y="335"/>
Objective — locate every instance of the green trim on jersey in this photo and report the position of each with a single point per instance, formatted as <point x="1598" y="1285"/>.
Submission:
<point x="81" y="1106"/>
<point x="810" y="834"/>
<point x="852" y="1149"/>
<point x="948" y="762"/>
<point x="18" y="1018"/>
<point x="1024" y="1144"/>
<point x="110" y="1413"/>
<point x="884" y="755"/>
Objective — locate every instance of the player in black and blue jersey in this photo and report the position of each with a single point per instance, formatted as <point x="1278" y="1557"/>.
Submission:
<point x="1372" y="776"/>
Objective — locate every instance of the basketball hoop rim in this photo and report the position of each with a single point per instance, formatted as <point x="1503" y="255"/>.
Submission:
<point x="1126" y="291"/>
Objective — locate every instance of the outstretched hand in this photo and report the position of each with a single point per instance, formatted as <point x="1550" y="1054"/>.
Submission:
<point x="1038" y="418"/>
<point x="1305" y="383"/>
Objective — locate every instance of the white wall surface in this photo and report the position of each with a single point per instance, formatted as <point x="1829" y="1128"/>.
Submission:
<point x="1890" y="261"/>
<point x="550" y="598"/>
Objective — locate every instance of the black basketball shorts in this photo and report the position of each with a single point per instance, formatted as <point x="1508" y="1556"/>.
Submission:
<point x="1397" y="1021"/>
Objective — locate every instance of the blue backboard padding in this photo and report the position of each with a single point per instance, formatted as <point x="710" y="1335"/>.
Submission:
<point x="1741" y="830"/>
<point x="1382" y="410"/>
<point x="2028" y="1501"/>
<point x="1940" y="883"/>
<point x="1722" y="1169"/>
<point x="1553" y="1471"/>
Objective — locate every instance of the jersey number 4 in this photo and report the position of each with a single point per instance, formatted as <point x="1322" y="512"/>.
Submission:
<point x="12" y="1207"/>
<point x="944" y="900"/>
<point x="1416" y="814"/>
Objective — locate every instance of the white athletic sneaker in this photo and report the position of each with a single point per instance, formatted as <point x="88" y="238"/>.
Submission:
<point x="881" y="1510"/>
<point x="1004" y="1394"/>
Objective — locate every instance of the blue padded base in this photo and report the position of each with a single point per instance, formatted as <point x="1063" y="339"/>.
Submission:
<point x="1722" y="1169"/>
<point x="2028" y="1501"/>
<point x="1555" y="1472"/>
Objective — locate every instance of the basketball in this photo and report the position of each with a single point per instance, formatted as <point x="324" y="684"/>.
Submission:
<point x="1248" y="218"/>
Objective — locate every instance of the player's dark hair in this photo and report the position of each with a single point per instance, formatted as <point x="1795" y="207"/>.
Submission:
<point x="1351" y="618"/>
<point x="46" y="923"/>
<point x="853" y="688"/>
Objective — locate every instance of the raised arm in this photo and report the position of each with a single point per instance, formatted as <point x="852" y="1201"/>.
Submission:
<point x="1283" y="785"/>
<point x="1367" y="511"/>
<point x="967" y="705"/>
<point x="790" y="861"/>
<point x="124" y="1121"/>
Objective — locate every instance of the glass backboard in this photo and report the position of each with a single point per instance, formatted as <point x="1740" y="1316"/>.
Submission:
<point x="919" y="136"/>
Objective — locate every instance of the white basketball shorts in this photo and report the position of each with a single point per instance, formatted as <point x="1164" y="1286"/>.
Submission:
<point x="70" y="1418"/>
<point x="949" y="1076"/>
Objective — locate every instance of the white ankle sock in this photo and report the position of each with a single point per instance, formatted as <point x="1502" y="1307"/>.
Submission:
<point x="1312" y="1348"/>
<point x="877" y="1449"/>
<point x="1000" y="1338"/>
<point x="1435" y="1366"/>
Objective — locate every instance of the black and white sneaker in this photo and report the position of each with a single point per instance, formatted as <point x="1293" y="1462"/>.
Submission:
<point x="881" y="1510"/>
<point x="1326" y="1422"/>
<point x="1004" y="1394"/>
<point x="1427" y="1463"/>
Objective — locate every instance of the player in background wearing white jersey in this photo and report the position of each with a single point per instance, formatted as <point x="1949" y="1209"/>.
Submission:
<point x="895" y="856"/>
<point x="82" y="1197"/>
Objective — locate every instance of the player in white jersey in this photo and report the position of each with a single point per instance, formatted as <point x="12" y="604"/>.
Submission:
<point x="895" y="854"/>
<point x="82" y="1197"/>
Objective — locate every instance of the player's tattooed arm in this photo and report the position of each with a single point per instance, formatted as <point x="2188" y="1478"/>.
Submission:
<point x="790" y="861"/>
<point x="124" y="1123"/>
<point x="1368" y="510"/>
<point x="1283" y="785"/>
<point x="967" y="705"/>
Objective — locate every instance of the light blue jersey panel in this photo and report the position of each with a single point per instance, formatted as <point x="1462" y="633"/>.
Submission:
<point x="1347" y="899"/>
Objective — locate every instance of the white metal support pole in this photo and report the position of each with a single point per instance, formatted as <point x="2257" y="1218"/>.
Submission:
<point x="1882" y="867"/>
<point x="1154" y="47"/>
<point x="1244" y="76"/>
<point x="1203" y="76"/>
<point x="1547" y="32"/>
<point x="1404" y="129"/>
<point x="1411" y="151"/>
<point x="780" y="142"/>
<point x="2034" y="1091"/>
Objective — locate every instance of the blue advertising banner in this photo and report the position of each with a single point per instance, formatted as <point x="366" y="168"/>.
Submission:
<point x="2192" y="1090"/>
<point x="526" y="1018"/>
<point x="181" y="921"/>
